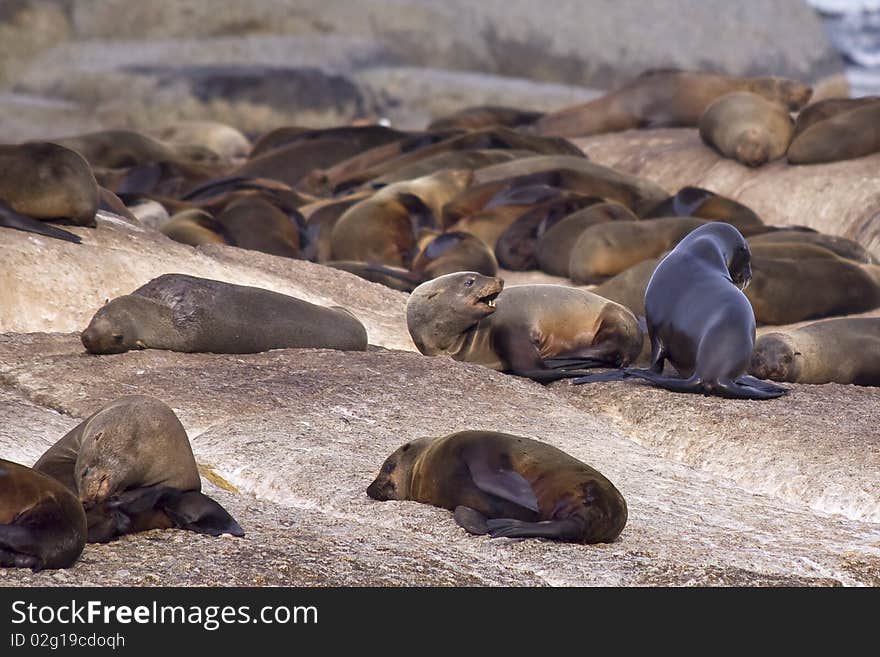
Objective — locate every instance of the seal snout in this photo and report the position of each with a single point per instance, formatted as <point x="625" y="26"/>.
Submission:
<point x="488" y="293"/>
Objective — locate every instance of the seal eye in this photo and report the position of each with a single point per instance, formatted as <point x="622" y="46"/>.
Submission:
<point x="469" y="282"/>
<point x="406" y="447"/>
<point x="117" y="337"/>
<point x="98" y="436"/>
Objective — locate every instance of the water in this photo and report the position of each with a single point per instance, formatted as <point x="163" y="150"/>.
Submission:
<point x="853" y="26"/>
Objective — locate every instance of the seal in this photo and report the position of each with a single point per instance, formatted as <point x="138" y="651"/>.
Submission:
<point x="748" y="128"/>
<point x="542" y="332"/>
<point x="385" y="227"/>
<point x="364" y="137"/>
<point x="320" y="218"/>
<point x="42" y="524"/>
<point x="576" y="174"/>
<point x="193" y="227"/>
<point x="471" y="159"/>
<point x="445" y="253"/>
<point x="628" y="287"/>
<point x="189" y="314"/>
<point x="844" y="136"/>
<point x="505" y="486"/>
<point x="825" y="109"/>
<point x="118" y="149"/>
<point x="132" y="467"/>
<point x="607" y="249"/>
<point x="229" y="143"/>
<point x="699" y="319"/>
<point x="665" y="98"/>
<point x="555" y="242"/>
<point x="489" y="138"/>
<point x="834" y="351"/>
<point x="40" y="181"/>
<point x="785" y="291"/>
<point x="705" y="204"/>
<point x="254" y="222"/>
<point x="516" y="246"/>
<point x="842" y="246"/>
<point x="485" y="116"/>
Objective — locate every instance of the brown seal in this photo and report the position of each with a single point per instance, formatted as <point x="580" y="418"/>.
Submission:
<point x="554" y="245"/>
<point x="664" y="98"/>
<point x="132" y="467"/>
<point x="825" y="109"/>
<point x="471" y="159"/>
<point x="115" y="149"/>
<point x="705" y="204"/>
<point x="516" y="246"/>
<point x="834" y="351"/>
<point x="385" y="227"/>
<point x="362" y="137"/>
<point x="485" y="116"/>
<point x="193" y="227"/>
<point x="189" y="314"/>
<point x="607" y="249"/>
<point x="229" y="143"/>
<point x="844" y="136"/>
<point x="506" y="486"/>
<point x="628" y="287"/>
<point x="577" y="174"/>
<point x="527" y="330"/>
<point x="254" y="222"/>
<point x="42" y="524"/>
<point x="747" y="128"/>
<point x="842" y="246"/>
<point x="785" y="291"/>
<point x="320" y="217"/>
<point x="699" y="320"/>
<point x="40" y="182"/>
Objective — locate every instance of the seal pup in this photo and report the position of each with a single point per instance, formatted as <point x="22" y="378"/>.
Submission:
<point x="833" y="351"/>
<point x="664" y="98"/>
<point x="42" y="524"/>
<point x="747" y="128"/>
<point x="542" y="332"/>
<point x="704" y="204"/>
<point x="132" y="467"/>
<point x="699" y="319"/>
<point x="505" y="486"/>
<point x="189" y="314"/>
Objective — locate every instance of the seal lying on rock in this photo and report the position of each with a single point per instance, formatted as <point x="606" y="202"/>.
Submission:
<point x="834" y="351"/>
<point x="505" y="485"/>
<point x="133" y="469"/>
<point x="42" y="524"/>
<point x="527" y="330"/>
<point x="189" y="314"/>
<point x="45" y="182"/>
<point x="699" y="319"/>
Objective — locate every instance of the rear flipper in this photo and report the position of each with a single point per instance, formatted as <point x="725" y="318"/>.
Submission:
<point x="471" y="520"/>
<point x="12" y="219"/>
<point x="18" y="549"/>
<point x="736" y="390"/>
<point x="766" y="386"/>
<point x="570" y="529"/>
<point x="603" y="377"/>
<point x="560" y="363"/>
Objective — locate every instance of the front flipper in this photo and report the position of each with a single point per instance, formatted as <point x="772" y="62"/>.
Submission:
<point x="471" y="520"/>
<point x="570" y="529"/>
<point x="603" y="377"/>
<point x="561" y="363"/>
<point x="12" y="219"/>
<point x="197" y="512"/>
<point x="504" y="483"/>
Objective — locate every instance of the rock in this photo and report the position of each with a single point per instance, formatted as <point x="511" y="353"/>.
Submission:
<point x="594" y="44"/>
<point x="300" y="433"/>
<point x="116" y="258"/>
<point x="841" y="198"/>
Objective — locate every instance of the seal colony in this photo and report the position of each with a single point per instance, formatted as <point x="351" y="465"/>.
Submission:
<point x="435" y="213"/>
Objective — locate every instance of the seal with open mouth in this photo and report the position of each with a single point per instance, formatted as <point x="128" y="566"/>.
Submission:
<point x="543" y="332"/>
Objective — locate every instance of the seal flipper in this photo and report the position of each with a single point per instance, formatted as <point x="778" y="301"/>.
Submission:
<point x="766" y="386"/>
<point x="197" y="512"/>
<point x="736" y="390"/>
<point x="471" y="520"/>
<point x="18" y="548"/>
<point x="9" y="218"/>
<point x="602" y="377"/>
<point x="559" y="363"/>
<point x="570" y="529"/>
<point x="504" y="483"/>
